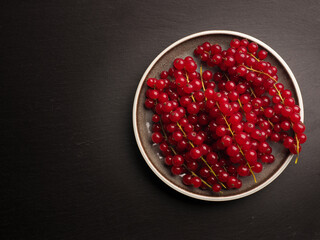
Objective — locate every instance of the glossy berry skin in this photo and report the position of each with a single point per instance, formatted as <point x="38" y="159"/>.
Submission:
<point x="178" y="63"/>
<point x="192" y="166"/>
<point x="196" y="182"/>
<point x="230" y="61"/>
<point x="181" y="81"/>
<point x="251" y="156"/>
<point x="243" y="170"/>
<point x="263" y="147"/>
<point x="299" y="127"/>
<point x="223" y="176"/>
<point x="186" y="179"/>
<point x="275" y="137"/>
<point x="193" y="108"/>
<point x="216" y="187"/>
<point x="295" y="117"/>
<point x="177" y="160"/>
<point x="212" y="158"/>
<point x="190" y="66"/>
<point x="257" y="167"/>
<point x="176" y="170"/>
<point x="207" y="75"/>
<point x="195" y="153"/>
<point x="285" y="125"/>
<point x="232" y="150"/>
<point x="235" y="43"/>
<point x="252" y="47"/>
<point x="251" y="117"/>
<point x="221" y="130"/>
<point x="262" y="54"/>
<point x="302" y="138"/>
<point x="268" y="112"/>
<point x="288" y="142"/>
<point x="232" y="182"/>
<point x="168" y="160"/>
<point x="241" y="138"/>
<point x="287" y="111"/>
<point x="226" y="141"/>
<point x="209" y="93"/>
<point x="157" y="137"/>
<point x="217" y="59"/>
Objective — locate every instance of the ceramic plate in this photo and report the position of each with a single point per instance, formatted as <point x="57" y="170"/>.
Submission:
<point x="142" y="117"/>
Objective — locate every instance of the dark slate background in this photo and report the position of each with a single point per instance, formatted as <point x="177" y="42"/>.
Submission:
<point x="70" y="167"/>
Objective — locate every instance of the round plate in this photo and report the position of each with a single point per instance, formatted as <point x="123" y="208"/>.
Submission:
<point x="142" y="117"/>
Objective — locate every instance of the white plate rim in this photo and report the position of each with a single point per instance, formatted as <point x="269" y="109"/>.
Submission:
<point x="135" y="127"/>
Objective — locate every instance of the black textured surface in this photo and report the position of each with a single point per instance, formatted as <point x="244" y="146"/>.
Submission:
<point x="70" y="167"/>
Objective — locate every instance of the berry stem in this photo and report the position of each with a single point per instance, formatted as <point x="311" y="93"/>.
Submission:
<point x="232" y="133"/>
<point x="254" y="95"/>
<point x="163" y="132"/>
<point x="202" y="79"/>
<point x="254" y="70"/>
<point x="279" y="93"/>
<point x="194" y="174"/>
<point x="296" y="136"/>
<point x="184" y="134"/>
<point x="187" y="77"/>
<point x="254" y="56"/>
<point x="205" y="162"/>
<point x="175" y="153"/>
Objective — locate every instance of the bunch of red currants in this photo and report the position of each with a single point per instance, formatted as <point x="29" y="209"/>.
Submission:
<point x="214" y="127"/>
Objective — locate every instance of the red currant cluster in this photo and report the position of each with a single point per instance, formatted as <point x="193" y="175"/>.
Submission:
<point x="213" y="128"/>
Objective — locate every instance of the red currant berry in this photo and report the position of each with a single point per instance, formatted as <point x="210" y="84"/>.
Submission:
<point x="178" y="63"/>
<point x="262" y="54"/>
<point x="193" y="108"/>
<point x="295" y="117"/>
<point x="217" y="59"/>
<point x="253" y="47"/>
<point x="192" y="165"/>
<point x="232" y="150"/>
<point x="223" y="176"/>
<point x="275" y="137"/>
<point x="296" y="108"/>
<point x="229" y="61"/>
<point x="251" y="117"/>
<point x="177" y="160"/>
<point x="285" y="125"/>
<point x="257" y="167"/>
<point x="168" y="160"/>
<point x="251" y="156"/>
<point x="302" y="138"/>
<point x="181" y="81"/>
<point x="157" y="137"/>
<point x="186" y="179"/>
<point x="204" y="172"/>
<point x="226" y="141"/>
<point x="195" y="153"/>
<point x="196" y="182"/>
<point x="207" y="75"/>
<point x="243" y="170"/>
<point x="294" y="148"/>
<point x="299" y="127"/>
<point x="232" y="182"/>
<point x="288" y="141"/>
<point x="176" y="170"/>
<point x="216" y="187"/>
<point x="190" y="66"/>
<point x="286" y="111"/>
